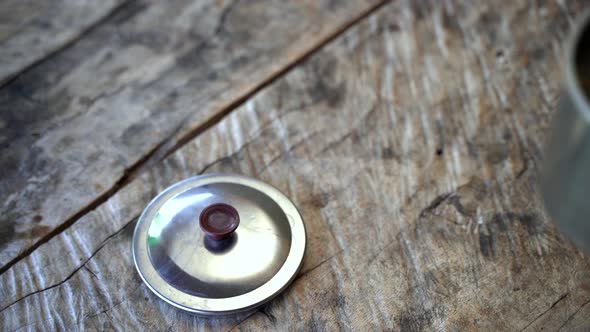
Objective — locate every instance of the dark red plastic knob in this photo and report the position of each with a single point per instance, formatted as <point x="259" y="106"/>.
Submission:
<point x="219" y="221"/>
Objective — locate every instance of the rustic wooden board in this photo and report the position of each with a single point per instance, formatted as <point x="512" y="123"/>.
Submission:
<point x="75" y="128"/>
<point x="31" y="30"/>
<point x="411" y="146"/>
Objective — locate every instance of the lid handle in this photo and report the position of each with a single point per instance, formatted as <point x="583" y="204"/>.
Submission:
<point x="219" y="221"/>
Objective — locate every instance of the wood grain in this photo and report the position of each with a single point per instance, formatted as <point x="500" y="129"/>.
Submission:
<point x="32" y="30"/>
<point x="411" y="145"/>
<point x="80" y="125"/>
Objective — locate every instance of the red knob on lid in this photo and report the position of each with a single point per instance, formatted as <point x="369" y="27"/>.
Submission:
<point x="219" y="221"/>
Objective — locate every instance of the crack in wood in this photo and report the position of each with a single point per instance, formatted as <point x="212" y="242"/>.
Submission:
<point x="102" y="245"/>
<point x="429" y="210"/>
<point x="285" y="152"/>
<point x="573" y="315"/>
<point x="305" y="273"/>
<point x="132" y="8"/>
<point x="90" y="271"/>
<point x="264" y="310"/>
<point x="228" y="157"/>
<point x="351" y="132"/>
<point x="371" y="260"/>
<point x="105" y="311"/>
<point x="242" y="320"/>
<point x="546" y="311"/>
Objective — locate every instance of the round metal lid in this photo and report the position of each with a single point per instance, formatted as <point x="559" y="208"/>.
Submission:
<point x="219" y="244"/>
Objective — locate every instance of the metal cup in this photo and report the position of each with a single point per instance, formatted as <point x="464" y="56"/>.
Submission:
<point x="565" y="181"/>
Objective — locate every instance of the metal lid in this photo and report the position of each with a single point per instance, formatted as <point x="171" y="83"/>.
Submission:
<point x="219" y="244"/>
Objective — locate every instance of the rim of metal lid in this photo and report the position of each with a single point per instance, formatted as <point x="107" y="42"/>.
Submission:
<point x="221" y="306"/>
<point x="572" y="83"/>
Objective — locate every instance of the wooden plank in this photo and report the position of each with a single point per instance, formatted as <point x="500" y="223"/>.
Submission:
<point x="411" y="146"/>
<point x="32" y="30"/>
<point x="78" y="125"/>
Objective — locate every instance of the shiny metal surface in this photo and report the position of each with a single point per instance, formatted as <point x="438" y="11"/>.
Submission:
<point x="565" y="181"/>
<point x="212" y="277"/>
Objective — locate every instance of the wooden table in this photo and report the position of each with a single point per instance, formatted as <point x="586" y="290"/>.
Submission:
<point x="408" y="133"/>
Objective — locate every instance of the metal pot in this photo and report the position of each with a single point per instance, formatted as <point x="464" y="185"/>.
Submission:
<point x="565" y="182"/>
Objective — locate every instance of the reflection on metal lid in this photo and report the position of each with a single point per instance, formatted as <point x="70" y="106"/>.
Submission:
<point x="218" y="244"/>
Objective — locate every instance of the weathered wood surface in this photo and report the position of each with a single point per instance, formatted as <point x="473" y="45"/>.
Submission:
<point x="31" y="30"/>
<point x="411" y="145"/>
<point x="78" y="125"/>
